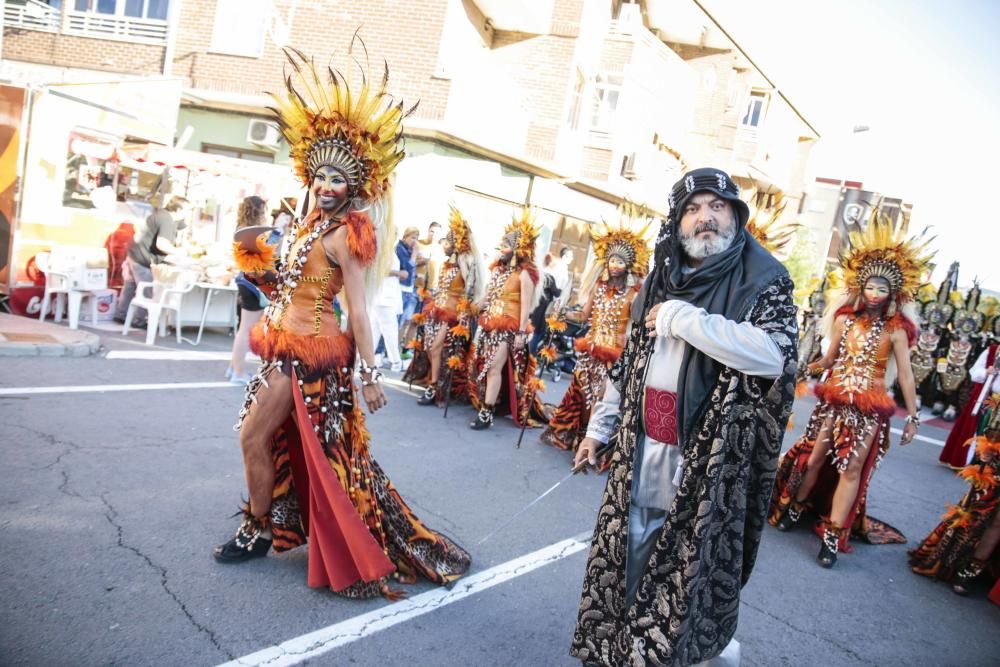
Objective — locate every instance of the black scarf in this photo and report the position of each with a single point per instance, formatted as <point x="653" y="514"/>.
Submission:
<point x="725" y="284"/>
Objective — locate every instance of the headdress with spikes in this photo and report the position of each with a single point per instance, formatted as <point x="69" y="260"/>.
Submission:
<point x="459" y="233"/>
<point x="766" y="229"/>
<point x="325" y="123"/>
<point x="626" y="239"/>
<point x="522" y="234"/>
<point x="881" y="251"/>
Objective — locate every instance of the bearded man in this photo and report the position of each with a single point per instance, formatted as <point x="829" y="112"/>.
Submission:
<point x="694" y="409"/>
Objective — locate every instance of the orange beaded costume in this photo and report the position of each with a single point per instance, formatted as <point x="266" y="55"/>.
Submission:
<point x="609" y="306"/>
<point x="854" y="403"/>
<point x="327" y="487"/>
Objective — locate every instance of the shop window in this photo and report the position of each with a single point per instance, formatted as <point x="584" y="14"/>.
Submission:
<point x="90" y="164"/>
<point x="753" y="116"/>
<point x="239" y="28"/>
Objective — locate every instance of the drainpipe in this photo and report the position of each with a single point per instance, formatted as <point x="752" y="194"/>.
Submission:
<point x="173" y="16"/>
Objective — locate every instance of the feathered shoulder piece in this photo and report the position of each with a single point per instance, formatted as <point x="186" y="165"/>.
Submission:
<point x="326" y="123"/>
<point x="885" y="252"/>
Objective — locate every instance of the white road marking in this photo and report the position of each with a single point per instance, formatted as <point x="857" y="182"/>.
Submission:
<point x="308" y="646"/>
<point x="169" y="355"/>
<point x="922" y="438"/>
<point x="102" y="388"/>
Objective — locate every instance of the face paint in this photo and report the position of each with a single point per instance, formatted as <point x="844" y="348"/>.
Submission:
<point x="616" y="266"/>
<point x="876" y="294"/>
<point x="330" y="188"/>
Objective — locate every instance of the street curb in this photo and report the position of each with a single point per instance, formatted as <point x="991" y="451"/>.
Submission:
<point x="88" y="345"/>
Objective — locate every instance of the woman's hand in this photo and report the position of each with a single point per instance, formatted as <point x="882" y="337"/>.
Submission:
<point x="651" y="319"/>
<point x="519" y="340"/>
<point x="374" y="397"/>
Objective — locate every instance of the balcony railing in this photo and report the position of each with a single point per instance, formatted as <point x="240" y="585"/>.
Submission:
<point x="35" y="15"/>
<point x="30" y="15"/>
<point x="126" y="28"/>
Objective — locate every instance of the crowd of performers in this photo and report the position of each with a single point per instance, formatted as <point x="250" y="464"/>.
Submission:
<point x="717" y="306"/>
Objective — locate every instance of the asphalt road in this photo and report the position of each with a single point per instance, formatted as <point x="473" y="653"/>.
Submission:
<point x="112" y="503"/>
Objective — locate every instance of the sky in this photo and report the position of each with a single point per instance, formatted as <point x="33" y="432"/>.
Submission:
<point x="919" y="75"/>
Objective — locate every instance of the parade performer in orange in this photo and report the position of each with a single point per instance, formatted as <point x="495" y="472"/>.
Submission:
<point x="305" y="446"/>
<point x="871" y="331"/>
<point x="448" y="318"/>
<point x="963" y="546"/>
<point x="621" y="257"/>
<point x="501" y="370"/>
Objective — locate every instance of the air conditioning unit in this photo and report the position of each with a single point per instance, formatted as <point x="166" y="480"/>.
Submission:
<point x="629" y="168"/>
<point x="263" y="133"/>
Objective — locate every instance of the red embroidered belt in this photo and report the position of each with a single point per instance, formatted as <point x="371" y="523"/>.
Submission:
<point x="659" y="415"/>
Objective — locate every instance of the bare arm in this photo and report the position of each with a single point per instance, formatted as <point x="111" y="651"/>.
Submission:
<point x="588" y="308"/>
<point x="335" y="245"/>
<point x="901" y="348"/>
<point x="527" y="291"/>
<point x="832" y="351"/>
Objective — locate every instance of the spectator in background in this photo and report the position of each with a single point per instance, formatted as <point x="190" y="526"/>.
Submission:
<point x="154" y="241"/>
<point x="564" y="279"/>
<point x="429" y="258"/>
<point x="386" y="309"/>
<point x="406" y="253"/>
<point x="549" y="293"/>
<point x="252" y="301"/>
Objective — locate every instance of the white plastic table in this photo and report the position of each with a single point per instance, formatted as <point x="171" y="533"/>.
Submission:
<point x="210" y="305"/>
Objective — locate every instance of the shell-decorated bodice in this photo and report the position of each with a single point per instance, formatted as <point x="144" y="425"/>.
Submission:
<point x="610" y="314"/>
<point x="858" y="374"/>
<point x="502" y="308"/>
<point x="451" y="288"/>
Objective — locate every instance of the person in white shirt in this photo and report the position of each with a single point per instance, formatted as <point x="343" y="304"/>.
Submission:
<point x="695" y="411"/>
<point x="386" y="309"/>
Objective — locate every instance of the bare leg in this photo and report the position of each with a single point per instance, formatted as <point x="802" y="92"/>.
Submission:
<point x="273" y="405"/>
<point x="848" y="484"/>
<point x="437" y="345"/>
<point x="816" y="461"/>
<point x="241" y="343"/>
<point x="988" y="542"/>
<point x="494" y="377"/>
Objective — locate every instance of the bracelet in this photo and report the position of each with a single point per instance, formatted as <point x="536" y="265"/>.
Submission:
<point x="913" y="419"/>
<point x="374" y="374"/>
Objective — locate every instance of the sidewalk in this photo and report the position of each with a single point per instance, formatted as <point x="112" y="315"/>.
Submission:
<point x="27" y="337"/>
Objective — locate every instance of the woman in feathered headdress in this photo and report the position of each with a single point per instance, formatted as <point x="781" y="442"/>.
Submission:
<point x="871" y="327"/>
<point x="964" y="545"/>
<point x="447" y="318"/>
<point x="499" y="358"/>
<point x="621" y="257"/>
<point x="302" y="431"/>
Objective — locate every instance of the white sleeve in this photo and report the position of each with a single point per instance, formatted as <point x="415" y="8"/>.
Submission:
<point x="978" y="371"/>
<point x="605" y="414"/>
<point x="738" y="345"/>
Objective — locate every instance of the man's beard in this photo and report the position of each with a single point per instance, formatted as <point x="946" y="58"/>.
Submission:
<point x="699" y="248"/>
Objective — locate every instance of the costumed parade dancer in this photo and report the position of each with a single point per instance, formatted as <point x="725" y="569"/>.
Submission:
<point x="501" y="369"/>
<point x="621" y="258"/>
<point x="871" y="324"/>
<point x="695" y="410"/>
<point x="305" y="446"/>
<point x="983" y="397"/>
<point x="448" y="318"/>
<point x="964" y="545"/>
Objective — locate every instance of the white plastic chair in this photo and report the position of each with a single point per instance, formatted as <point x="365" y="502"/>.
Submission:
<point x="60" y="284"/>
<point x="166" y="299"/>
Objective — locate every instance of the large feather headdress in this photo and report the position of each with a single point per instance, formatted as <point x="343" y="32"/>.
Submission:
<point x="881" y="251"/>
<point x="626" y="239"/>
<point x="326" y="123"/>
<point x="765" y="227"/>
<point x="522" y="232"/>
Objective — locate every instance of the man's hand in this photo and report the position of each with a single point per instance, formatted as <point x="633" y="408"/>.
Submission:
<point x="374" y="397"/>
<point x="909" y="431"/>
<point x="586" y="452"/>
<point x="651" y="319"/>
